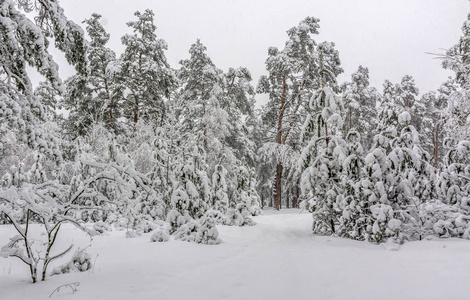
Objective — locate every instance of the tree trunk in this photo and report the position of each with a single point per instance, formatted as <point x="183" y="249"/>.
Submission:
<point x="295" y="201"/>
<point x="277" y="186"/>
<point x="287" y="199"/>
<point x="350" y="119"/>
<point x="436" y="146"/>
<point x="136" y="114"/>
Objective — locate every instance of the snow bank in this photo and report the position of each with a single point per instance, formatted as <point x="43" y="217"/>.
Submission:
<point x="276" y="259"/>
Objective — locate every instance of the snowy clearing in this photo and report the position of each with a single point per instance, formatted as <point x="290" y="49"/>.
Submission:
<point x="276" y="259"/>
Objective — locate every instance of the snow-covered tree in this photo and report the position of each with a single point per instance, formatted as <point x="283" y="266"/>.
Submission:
<point x="245" y="200"/>
<point x="48" y="96"/>
<point x="200" y="95"/>
<point x="322" y="160"/>
<point x="220" y="201"/>
<point x="143" y="72"/>
<point x="293" y="72"/>
<point x="26" y="43"/>
<point x="91" y="98"/>
<point x="212" y="103"/>
<point x="360" y="101"/>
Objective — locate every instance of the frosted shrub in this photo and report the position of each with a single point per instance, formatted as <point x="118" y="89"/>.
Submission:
<point x="160" y="236"/>
<point x="219" y="186"/>
<point x="188" y="231"/>
<point x="208" y="233"/>
<point x="101" y="227"/>
<point x="148" y="226"/>
<point x="385" y="225"/>
<point x="444" y="221"/>
<point x="234" y="218"/>
<point x="80" y="262"/>
<point x="176" y="219"/>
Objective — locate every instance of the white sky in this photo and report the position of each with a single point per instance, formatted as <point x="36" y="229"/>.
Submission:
<point x="390" y="37"/>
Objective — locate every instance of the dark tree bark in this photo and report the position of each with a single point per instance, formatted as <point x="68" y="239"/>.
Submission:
<point x="277" y="186"/>
<point x="287" y="199"/>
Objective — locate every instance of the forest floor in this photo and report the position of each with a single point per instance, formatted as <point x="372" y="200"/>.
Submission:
<point x="278" y="258"/>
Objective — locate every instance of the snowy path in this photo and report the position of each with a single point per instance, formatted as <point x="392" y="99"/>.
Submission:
<point x="276" y="259"/>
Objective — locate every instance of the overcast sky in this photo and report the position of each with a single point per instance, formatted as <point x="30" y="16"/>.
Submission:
<point x="391" y="38"/>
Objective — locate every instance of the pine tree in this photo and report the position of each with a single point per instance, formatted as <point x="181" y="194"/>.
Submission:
<point x="293" y="72"/>
<point x="322" y="160"/>
<point x="244" y="201"/>
<point x="91" y="98"/>
<point x="238" y="101"/>
<point x="220" y="201"/>
<point x="202" y="84"/>
<point x="143" y="72"/>
<point x="25" y="43"/>
<point x="412" y="176"/>
<point x="212" y="103"/>
<point x="354" y="200"/>
<point x="48" y="96"/>
<point x="456" y="58"/>
<point x="360" y="101"/>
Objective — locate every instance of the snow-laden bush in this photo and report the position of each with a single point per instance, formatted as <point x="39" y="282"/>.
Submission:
<point x="51" y="203"/>
<point x="176" y="220"/>
<point x="203" y="231"/>
<point x="234" y="218"/>
<point x="385" y="225"/>
<point x="187" y="232"/>
<point x="208" y="233"/>
<point x="80" y="262"/>
<point x="101" y="227"/>
<point x="160" y="236"/>
<point x="239" y="216"/>
<point x="444" y="220"/>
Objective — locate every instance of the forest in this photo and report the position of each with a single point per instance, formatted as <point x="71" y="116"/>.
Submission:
<point x="130" y="143"/>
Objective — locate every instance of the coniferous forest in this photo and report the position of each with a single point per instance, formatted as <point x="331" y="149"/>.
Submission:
<point x="129" y="143"/>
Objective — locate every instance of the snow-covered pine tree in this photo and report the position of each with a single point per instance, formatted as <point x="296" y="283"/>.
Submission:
<point x="220" y="201"/>
<point x="203" y="105"/>
<point x="245" y="200"/>
<point x="91" y="98"/>
<point x="322" y="160"/>
<point x="354" y="221"/>
<point x="208" y="233"/>
<point x="211" y="104"/>
<point x="457" y="59"/>
<point x="450" y="215"/>
<point x="413" y="177"/>
<point x="453" y="182"/>
<point x="23" y="43"/>
<point x="238" y="102"/>
<point x="201" y="90"/>
<point x="48" y="96"/>
<point x="387" y="126"/>
<point x="457" y="118"/>
<point x="190" y="196"/>
<point x="296" y="70"/>
<point x="143" y="72"/>
<point x="258" y="133"/>
<point x="360" y="101"/>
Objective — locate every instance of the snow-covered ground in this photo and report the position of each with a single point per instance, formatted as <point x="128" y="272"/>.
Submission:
<point x="276" y="259"/>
